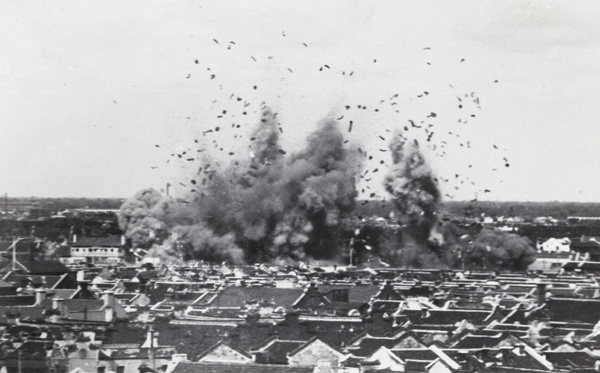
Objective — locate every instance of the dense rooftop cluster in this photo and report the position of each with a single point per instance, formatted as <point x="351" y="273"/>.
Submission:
<point x="261" y="318"/>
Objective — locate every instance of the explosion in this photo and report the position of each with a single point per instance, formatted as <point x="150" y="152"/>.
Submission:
<point x="413" y="186"/>
<point x="270" y="207"/>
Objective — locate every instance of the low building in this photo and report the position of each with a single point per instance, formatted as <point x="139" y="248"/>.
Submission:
<point x="555" y="245"/>
<point x="98" y="250"/>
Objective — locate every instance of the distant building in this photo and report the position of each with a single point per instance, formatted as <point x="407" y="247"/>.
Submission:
<point x="589" y="246"/>
<point x="555" y="245"/>
<point x="98" y="250"/>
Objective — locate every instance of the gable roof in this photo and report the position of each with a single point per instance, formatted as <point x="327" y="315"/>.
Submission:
<point x="311" y="342"/>
<point x="222" y="346"/>
<point x="276" y="351"/>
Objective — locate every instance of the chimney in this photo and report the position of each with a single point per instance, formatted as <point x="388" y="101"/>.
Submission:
<point x="151" y="339"/>
<point x="109" y="298"/>
<point x="123" y="240"/>
<point x="74" y="238"/>
<point x="108" y="314"/>
<point x="57" y="304"/>
<point x="541" y="294"/>
<point x="83" y="284"/>
<point x="40" y="296"/>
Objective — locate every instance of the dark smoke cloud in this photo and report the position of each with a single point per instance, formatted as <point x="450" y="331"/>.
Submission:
<point x="499" y="250"/>
<point x="143" y="224"/>
<point x="268" y="206"/>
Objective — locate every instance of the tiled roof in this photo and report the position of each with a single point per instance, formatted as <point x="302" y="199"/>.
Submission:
<point x="75" y="305"/>
<point x="236" y="296"/>
<point x="110" y="241"/>
<point x="48" y="281"/>
<point x="561" y="309"/>
<point x="415" y="354"/>
<point x="572" y="359"/>
<point x="356" y="293"/>
<point x="444" y="317"/>
<point x="186" y="367"/>
<point x="46" y="267"/>
<point x="17" y="300"/>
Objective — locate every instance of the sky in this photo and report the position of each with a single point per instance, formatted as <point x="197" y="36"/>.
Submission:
<point x="89" y="89"/>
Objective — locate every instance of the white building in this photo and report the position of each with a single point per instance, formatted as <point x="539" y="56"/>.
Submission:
<point x="98" y="250"/>
<point x="555" y="245"/>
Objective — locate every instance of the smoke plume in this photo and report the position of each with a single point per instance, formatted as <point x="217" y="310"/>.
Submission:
<point x="499" y="250"/>
<point x="413" y="187"/>
<point x="266" y="207"/>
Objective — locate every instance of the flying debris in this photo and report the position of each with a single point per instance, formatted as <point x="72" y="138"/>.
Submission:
<point x="412" y="124"/>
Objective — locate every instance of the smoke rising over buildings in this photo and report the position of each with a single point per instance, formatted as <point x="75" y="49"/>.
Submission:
<point x="414" y="189"/>
<point x="268" y="206"/>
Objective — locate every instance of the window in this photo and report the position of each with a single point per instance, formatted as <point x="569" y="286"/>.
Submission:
<point x="121" y="369"/>
<point x="101" y="369"/>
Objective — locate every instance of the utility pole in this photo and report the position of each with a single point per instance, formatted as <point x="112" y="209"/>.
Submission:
<point x="19" y="362"/>
<point x="351" y="250"/>
<point x="151" y="353"/>
<point x="14" y="254"/>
